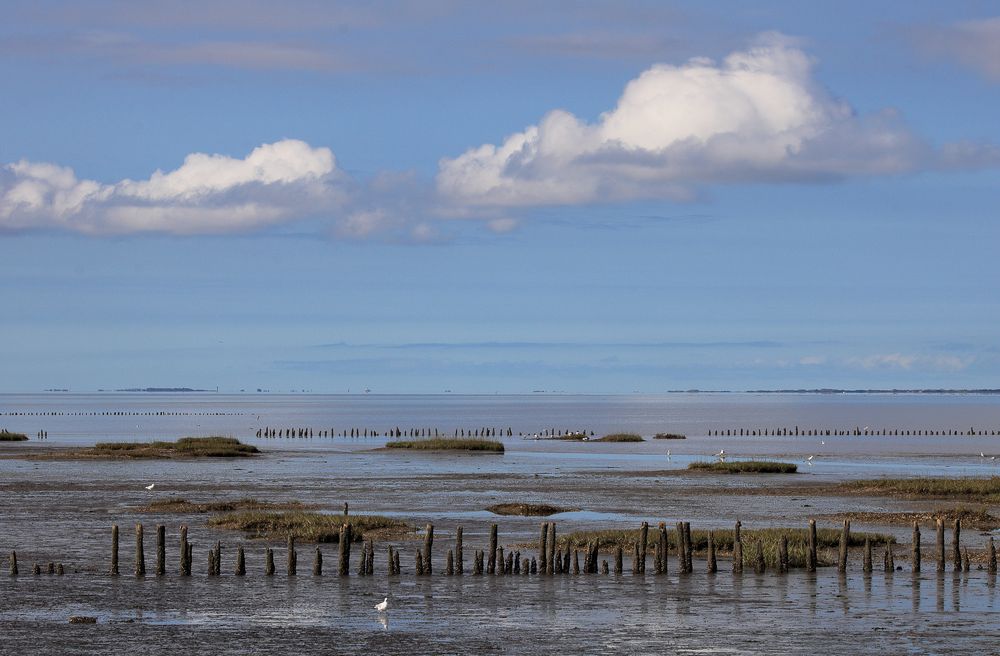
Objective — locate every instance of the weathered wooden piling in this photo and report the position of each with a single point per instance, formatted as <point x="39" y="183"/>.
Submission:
<point x="888" y="562"/>
<point x="459" y="556"/>
<point x="965" y="559"/>
<point x="663" y="549"/>
<point x="362" y="560"/>
<point x="370" y="558"/>
<point x="866" y="563"/>
<point x="344" y="550"/>
<point x="811" y="547"/>
<point x="114" y="549"/>
<point x="681" y="545"/>
<point x="449" y="568"/>
<point x="268" y="561"/>
<point x="12" y="571"/>
<point x="657" y="558"/>
<point x="783" y="554"/>
<point x="509" y="567"/>
<point x="211" y="562"/>
<point x="550" y="564"/>
<point x="501" y="563"/>
<point x="161" y="550"/>
<point x="517" y="562"/>
<point x="737" y="558"/>
<point x="478" y="566"/>
<point x="51" y="569"/>
<point x="395" y="562"/>
<point x="241" y="562"/>
<point x="760" y="565"/>
<point x="491" y="556"/>
<point x="940" y="545"/>
<point x="737" y="537"/>
<point x="184" y="568"/>
<point x="643" y="545"/>
<point x="189" y="558"/>
<point x="712" y="565"/>
<point x="36" y="569"/>
<point x="534" y="566"/>
<point x="543" y="547"/>
<point x="956" y="550"/>
<point x="604" y="567"/>
<point x="991" y="555"/>
<point x="59" y="570"/>
<point x="292" y="557"/>
<point x="419" y="563"/>
<point x="318" y="562"/>
<point x="559" y="560"/>
<point x="140" y="556"/>
<point x="688" y="549"/>
<point x="845" y="537"/>
<point x="915" y="548"/>
<point x="618" y="560"/>
<point x="428" y="546"/>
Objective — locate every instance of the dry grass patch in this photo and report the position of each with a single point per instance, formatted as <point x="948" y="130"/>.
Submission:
<point x="191" y="507"/>
<point x="309" y="526"/>
<point x="669" y="436"/>
<point x="7" y="436"/>
<point x="448" y="444"/>
<point x="975" y="518"/>
<point x="621" y="437"/>
<point x="526" y="509"/>
<point x="745" y="467"/>
<point x="965" y="489"/>
<point x="184" y="448"/>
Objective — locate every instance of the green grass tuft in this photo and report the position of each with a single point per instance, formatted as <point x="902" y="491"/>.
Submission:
<point x="965" y="489"/>
<point x="307" y="526"/>
<point x="745" y="467"/>
<point x="669" y="436"/>
<point x="7" y="436"/>
<point x="448" y="444"/>
<point x="185" y="506"/>
<point x="186" y="447"/>
<point x="621" y="437"/>
<point x="526" y="509"/>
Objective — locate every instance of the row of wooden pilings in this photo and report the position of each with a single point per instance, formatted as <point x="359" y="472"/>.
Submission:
<point x="268" y="431"/>
<point x="551" y="560"/>
<point x="119" y="413"/>
<point x="856" y="431"/>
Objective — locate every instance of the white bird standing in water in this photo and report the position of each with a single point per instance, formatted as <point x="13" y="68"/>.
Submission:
<point x="721" y="453"/>
<point x="668" y="454"/>
<point x="383" y="606"/>
<point x="150" y="486"/>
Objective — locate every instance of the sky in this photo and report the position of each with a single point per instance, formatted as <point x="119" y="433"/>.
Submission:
<point x="420" y="197"/>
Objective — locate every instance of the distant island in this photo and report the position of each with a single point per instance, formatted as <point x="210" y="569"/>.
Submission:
<point x="876" y="391"/>
<point x="164" y="389"/>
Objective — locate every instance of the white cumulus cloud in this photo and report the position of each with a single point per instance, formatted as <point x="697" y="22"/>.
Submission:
<point x="758" y="116"/>
<point x="276" y="182"/>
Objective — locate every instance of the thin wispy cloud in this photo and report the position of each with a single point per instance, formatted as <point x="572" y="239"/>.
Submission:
<point x="974" y="44"/>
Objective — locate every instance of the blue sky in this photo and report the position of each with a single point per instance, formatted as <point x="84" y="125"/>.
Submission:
<point x="429" y="196"/>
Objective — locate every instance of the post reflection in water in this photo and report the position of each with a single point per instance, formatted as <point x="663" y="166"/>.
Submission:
<point x="915" y="592"/>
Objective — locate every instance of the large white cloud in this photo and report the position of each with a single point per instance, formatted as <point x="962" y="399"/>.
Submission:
<point x="276" y="182"/>
<point x="757" y="116"/>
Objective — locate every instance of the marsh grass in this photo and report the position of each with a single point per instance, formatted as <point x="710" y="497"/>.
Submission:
<point x="7" y="436"/>
<point x="745" y="467"/>
<point x="579" y="437"/>
<point x="448" y="444"/>
<point x="827" y="542"/>
<point x="669" y="436"/>
<point x="965" y="489"/>
<point x="185" y="506"/>
<point x="186" y="447"/>
<point x="308" y="526"/>
<point x="976" y="518"/>
<point x="621" y="437"/>
<point x="526" y="509"/>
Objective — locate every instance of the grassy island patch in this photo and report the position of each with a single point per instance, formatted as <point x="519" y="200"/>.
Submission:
<point x="448" y="444"/>
<point x="184" y="448"/>
<point x="579" y="437"/>
<point x="827" y="542"/>
<point x="621" y="437"/>
<point x="7" y="436"/>
<point x="975" y="518"/>
<point x="669" y="436"/>
<point x="745" y="467"/>
<point x="965" y="489"/>
<point x="185" y="506"/>
<point x="526" y="509"/>
<point x="309" y="526"/>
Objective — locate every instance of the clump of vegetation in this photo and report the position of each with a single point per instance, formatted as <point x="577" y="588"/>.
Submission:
<point x="827" y="542"/>
<point x="7" y="436"/>
<point x="186" y="447"/>
<point x="745" y="466"/>
<point x="184" y="506"/>
<point x="580" y="437"/>
<point x="669" y="436"/>
<point x="966" y="489"/>
<point x="621" y="437"/>
<point x="309" y="526"/>
<point x="975" y="518"/>
<point x="448" y="444"/>
<point x="526" y="509"/>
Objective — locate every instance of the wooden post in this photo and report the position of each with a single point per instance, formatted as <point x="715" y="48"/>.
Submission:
<point x="664" y="549"/>
<point x="965" y="559"/>
<point x="478" y="567"/>
<point x="491" y="556"/>
<point x="459" y="556"/>
<point x="956" y="551"/>
<point x="362" y="560"/>
<point x="635" y="558"/>
<point x="657" y="558"/>
<point x="268" y="561"/>
<point x="161" y="550"/>
<point x="501" y="563"/>
<point x="241" y="563"/>
<point x="688" y="549"/>
<point x="450" y="563"/>
<point x="419" y="560"/>
<point x="991" y="552"/>
<point x="140" y="557"/>
<point x="712" y="564"/>
<point x="218" y="558"/>
<point x="940" y="544"/>
<point x="550" y="565"/>
<point x="114" y="549"/>
<point x="509" y="567"/>
<point x="811" y="555"/>
<point x="183" y="551"/>
<point x="395" y="562"/>
<point x="534" y="566"/>
<point x="370" y="558"/>
<point x="760" y="565"/>
<point x="428" y="544"/>
<point x="344" y="550"/>
<point x="736" y="534"/>
<point x="866" y="563"/>
<point x="188" y="558"/>
<point x="681" y="559"/>
<point x="318" y="563"/>
<point x="915" y="547"/>
<point x="604" y="567"/>
<point x="13" y="562"/>
<point x="517" y="562"/>
<point x="783" y="554"/>
<point x="292" y="556"/>
<point x="543" y="546"/>
<point x="211" y="561"/>
<point x="618" y="560"/>
<point x="643" y="545"/>
<point x="845" y="536"/>
<point x="576" y="561"/>
<point x="737" y="558"/>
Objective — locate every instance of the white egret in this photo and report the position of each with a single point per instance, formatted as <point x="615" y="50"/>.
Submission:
<point x="150" y="486"/>
<point x="383" y="605"/>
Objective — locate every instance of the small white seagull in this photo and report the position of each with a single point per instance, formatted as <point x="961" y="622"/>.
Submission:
<point x="668" y="454"/>
<point x="810" y="458"/>
<point x="721" y="453"/>
<point x="150" y="486"/>
<point x="982" y="455"/>
<point x="383" y="605"/>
